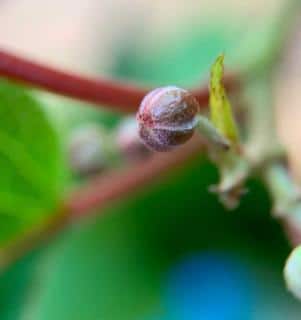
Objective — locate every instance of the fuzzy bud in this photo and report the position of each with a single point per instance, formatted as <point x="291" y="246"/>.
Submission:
<point x="128" y="141"/>
<point x="292" y="272"/>
<point x="87" y="150"/>
<point x="167" y="118"/>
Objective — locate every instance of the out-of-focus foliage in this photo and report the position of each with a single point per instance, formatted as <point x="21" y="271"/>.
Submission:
<point x="15" y="286"/>
<point x="31" y="166"/>
<point x="135" y="260"/>
<point x="182" y="60"/>
<point x="128" y="258"/>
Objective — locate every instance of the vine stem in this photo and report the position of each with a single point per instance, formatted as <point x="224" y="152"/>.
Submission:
<point x="111" y="94"/>
<point x="114" y="186"/>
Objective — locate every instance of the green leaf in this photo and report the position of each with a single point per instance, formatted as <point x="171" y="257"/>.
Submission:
<point x="220" y="107"/>
<point x="31" y="165"/>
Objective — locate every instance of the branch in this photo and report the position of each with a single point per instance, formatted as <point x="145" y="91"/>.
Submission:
<point x="114" y="186"/>
<point x="111" y="94"/>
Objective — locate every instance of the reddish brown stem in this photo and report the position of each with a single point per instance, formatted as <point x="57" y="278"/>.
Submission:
<point x="114" y="186"/>
<point x="99" y="193"/>
<point x="112" y="94"/>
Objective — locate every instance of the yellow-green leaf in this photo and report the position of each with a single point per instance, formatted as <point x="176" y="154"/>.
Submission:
<point x="220" y="107"/>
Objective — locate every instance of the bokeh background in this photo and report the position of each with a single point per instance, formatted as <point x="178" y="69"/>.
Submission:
<point x="170" y="251"/>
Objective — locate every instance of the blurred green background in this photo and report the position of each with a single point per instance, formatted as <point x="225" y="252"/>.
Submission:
<point x="169" y="251"/>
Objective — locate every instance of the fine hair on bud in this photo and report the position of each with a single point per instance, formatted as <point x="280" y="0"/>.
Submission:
<point x="167" y="117"/>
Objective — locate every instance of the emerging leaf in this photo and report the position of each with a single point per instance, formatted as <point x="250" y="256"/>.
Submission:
<point x="220" y="107"/>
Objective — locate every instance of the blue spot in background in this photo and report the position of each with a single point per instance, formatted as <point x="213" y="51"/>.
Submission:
<point x="211" y="286"/>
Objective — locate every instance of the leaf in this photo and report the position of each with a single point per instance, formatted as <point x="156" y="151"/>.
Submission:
<point x="220" y="107"/>
<point x="31" y="165"/>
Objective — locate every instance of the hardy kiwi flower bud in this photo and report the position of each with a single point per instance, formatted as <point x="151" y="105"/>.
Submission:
<point x="167" y="117"/>
<point x="86" y="150"/>
<point x="292" y="272"/>
<point x="128" y="141"/>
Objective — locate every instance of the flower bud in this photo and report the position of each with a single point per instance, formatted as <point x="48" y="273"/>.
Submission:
<point x="167" y="118"/>
<point x="292" y="272"/>
<point x="86" y="150"/>
<point x="128" y="141"/>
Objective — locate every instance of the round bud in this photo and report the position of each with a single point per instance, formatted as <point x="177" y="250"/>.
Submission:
<point x="292" y="272"/>
<point x="86" y="150"/>
<point x="167" y="118"/>
<point x="128" y="141"/>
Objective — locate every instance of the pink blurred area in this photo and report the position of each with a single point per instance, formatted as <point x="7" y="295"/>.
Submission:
<point x="77" y="34"/>
<point x="74" y="34"/>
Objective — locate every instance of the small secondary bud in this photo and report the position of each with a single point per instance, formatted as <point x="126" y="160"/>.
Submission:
<point x="86" y="150"/>
<point x="292" y="272"/>
<point x="128" y="141"/>
<point x="167" y="118"/>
